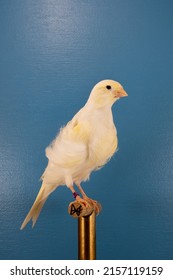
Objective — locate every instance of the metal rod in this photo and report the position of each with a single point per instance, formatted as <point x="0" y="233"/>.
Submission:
<point x="87" y="237"/>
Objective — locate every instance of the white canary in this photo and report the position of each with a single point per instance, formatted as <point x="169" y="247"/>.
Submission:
<point x="85" y="144"/>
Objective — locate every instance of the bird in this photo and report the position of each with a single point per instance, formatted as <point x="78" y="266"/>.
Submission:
<point x="85" y="144"/>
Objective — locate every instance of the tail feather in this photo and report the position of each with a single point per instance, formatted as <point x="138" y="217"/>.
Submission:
<point x="37" y="212"/>
<point x="37" y="206"/>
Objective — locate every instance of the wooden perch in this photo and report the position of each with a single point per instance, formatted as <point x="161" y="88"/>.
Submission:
<point x="83" y="208"/>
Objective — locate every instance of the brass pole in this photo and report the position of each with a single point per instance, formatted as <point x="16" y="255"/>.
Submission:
<point x="87" y="237"/>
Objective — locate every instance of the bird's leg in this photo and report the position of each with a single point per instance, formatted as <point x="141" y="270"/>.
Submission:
<point x="76" y="195"/>
<point x="82" y="191"/>
<point x="81" y="207"/>
<point x="94" y="203"/>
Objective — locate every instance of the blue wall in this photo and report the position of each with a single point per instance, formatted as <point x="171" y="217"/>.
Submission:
<point x="51" y="54"/>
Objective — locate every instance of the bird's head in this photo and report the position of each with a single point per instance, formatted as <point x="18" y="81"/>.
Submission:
<point x="106" y="93"/>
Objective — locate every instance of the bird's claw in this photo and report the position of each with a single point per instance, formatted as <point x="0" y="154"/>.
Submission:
<point x="83" y="201"/>
<point x="94" y="203"/>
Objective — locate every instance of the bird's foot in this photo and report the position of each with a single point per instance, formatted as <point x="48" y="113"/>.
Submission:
<point x="84" y="202"/>
<point x="94" y="203"/>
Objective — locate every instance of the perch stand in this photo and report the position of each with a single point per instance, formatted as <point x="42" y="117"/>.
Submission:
<point x="86" y="214"/>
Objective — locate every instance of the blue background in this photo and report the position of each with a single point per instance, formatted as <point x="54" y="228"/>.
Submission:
<point x="51" y="55"/>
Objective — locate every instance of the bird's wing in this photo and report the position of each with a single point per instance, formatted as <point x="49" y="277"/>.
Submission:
<point x="70" y="147"/>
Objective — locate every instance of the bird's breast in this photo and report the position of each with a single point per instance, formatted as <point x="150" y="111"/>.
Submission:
<point x="103" y="146"/>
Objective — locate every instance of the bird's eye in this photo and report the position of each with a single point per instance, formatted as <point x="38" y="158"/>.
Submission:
<point x="108" y="87"/>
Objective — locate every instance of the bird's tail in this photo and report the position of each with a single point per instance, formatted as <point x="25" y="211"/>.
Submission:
<point x="37" y="206"/>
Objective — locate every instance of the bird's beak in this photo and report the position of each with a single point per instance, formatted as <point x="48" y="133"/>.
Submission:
<point x="121" y="93"/>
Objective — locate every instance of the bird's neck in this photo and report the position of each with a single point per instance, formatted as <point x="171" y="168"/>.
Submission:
<point x="99" y="113"/>
<point x="95" y="105"/>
